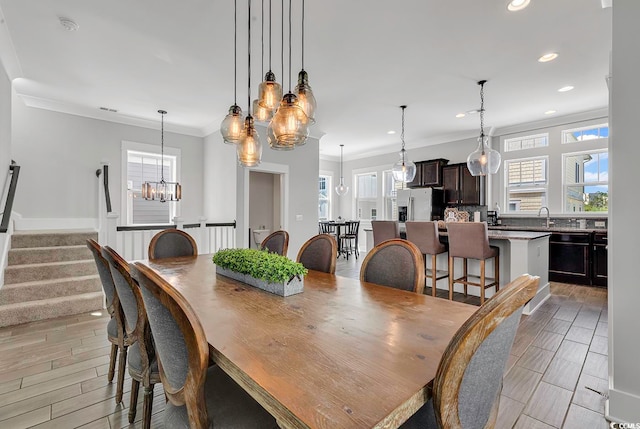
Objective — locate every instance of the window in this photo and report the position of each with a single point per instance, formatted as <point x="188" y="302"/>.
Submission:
<point x="324" y="198"/>
<point x="586" y="179"/>
<point x="526" y="142"/>
<point x="526" y="181"/>
<point x="366" y="196"/>
<point x="145" y="165"/>
<point x="391" y="187"/>
<point x="585" y="133"/>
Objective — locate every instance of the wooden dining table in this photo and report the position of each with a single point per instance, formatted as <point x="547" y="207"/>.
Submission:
<point x="341" y="354"/>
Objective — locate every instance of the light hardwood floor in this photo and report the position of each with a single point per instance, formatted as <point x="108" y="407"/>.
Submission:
<point x="53" y="373"/>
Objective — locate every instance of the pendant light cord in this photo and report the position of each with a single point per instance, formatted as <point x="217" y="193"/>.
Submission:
<point x="341" y="147"/>
<point x="302" y="34"/>
<point x="235" y="52"/>
<point x="282" y="40"/>
<point x="482" y="82"/>
<point x="249" y="58"/>
<point x="262" y="37"/>
<point x="270" y="35"/>
<point x="162" y="112"/>
<point x="289" y="45"/>
<point x="402" y="134"/>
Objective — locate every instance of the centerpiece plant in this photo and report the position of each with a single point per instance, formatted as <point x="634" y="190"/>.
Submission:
<point x="260" y="264"/>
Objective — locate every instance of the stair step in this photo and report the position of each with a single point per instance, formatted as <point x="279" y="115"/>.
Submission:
<point x="22" y="239"/>
<point x="23" y="312"/>
<point x="38" y="255"/>
<point x="47" y="271"/>
<point x="43" y="289"/>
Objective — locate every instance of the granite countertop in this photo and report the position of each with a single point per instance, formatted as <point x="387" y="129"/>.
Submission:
<point x="511" y="235"/>
<point x="545" y="229"/>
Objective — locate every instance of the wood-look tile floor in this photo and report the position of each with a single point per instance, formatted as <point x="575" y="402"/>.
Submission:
<point x="53" y="373"/>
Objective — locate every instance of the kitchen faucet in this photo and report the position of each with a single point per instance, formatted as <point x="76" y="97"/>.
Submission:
<point x="549" y="223"/>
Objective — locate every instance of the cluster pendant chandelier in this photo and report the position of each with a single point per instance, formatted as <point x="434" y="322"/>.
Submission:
<point x="404" y="170"/>
<point x="341" y="189"/>
<point x="483" y="160"/>
<point x="163" y="191"/>
<point x="289" y="116"/>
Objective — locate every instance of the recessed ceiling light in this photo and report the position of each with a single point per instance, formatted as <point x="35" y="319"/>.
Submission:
<point x="391" y="132"/>
<point x="68" y="24"/>
<point x="565" y="88"/>
<point x="548" y="57"/>
<point x="516" y="5"/>
<point x="461" y="115"/>
<point x="97" y="313"/>
<point x="549" y="112"/>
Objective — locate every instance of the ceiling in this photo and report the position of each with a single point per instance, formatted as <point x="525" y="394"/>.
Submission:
<point x="364" y="60"/>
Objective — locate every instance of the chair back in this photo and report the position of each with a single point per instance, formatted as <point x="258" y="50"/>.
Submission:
<point x="319" y="253"/>
<point x="123" y="284"/>
<point x="327" y="228"/>
<point x="180" y="343"/>
<point x="469" y="240"/>
<point x="425" y="235"/>
<point x="171" y="243"/>
<point x="396" y="263"/>
<point x="104" y="272"/>
<point x="468" y="382"/>
<point x="352" y="228"/>
<point x="384" y="230"/>
<point x="276" y="242"/>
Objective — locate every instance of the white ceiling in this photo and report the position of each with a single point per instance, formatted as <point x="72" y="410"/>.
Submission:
<point x="364" y="59"/>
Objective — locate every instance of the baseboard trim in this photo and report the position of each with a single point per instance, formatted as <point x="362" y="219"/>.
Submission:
<point x="46" y="224"/>
<point x="622" y="407"/>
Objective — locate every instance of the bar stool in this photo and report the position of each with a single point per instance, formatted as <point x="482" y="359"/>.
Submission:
<point x="384" y="230"/>
<point x="425" y="236"/>
<point x="470" y="240"/>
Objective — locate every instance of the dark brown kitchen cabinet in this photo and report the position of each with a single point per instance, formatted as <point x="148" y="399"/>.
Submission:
<point x="459" y="186"/>
<point x="569" y="257"/>
<point x="428" y="174"/>
<point x="599" y="274"/>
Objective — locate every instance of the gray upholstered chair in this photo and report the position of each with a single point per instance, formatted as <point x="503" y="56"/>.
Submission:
<point x="143" y="365"/>
<point x="171" y="243"/>
<point x="467" y="386"/>
<point x="319" y="253"/>
<point x="470" y="240"/>
<point x="276" y="242"/>
<point x="116" y="333"/>
<point x="425" y="236"/>
<point x="384" y="230"/>
<point x="198" y="396"/>
<point x="396" y="263"/>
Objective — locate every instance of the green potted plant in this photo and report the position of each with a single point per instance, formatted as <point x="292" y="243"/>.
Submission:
<point x="268" y="271"/>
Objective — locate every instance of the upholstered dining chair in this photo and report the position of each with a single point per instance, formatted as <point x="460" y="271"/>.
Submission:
<point x="143" y="364"/>
<point x="425" y="236"/>
<point x="198" y="396"/>
<point x="396" y="263"/>
<point x="319" y="253"/>
<point x="467" y="386"/>
<point x="171" y="243"/>
<point x="116" y="333"/>
<point x="384" y="230"/>
<point x="276" y="242"/>
<point x="470" y="240"/>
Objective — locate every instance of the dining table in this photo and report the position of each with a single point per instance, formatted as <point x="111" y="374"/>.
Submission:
<point x="342" y="354"/>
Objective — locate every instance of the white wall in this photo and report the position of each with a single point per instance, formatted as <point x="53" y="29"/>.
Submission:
<point x="219" y="179"/>
<point x="59" y="154"/>
<point x="301" y="210"/>
<point x="624" y="206"/>
<point x="5" y="129"/>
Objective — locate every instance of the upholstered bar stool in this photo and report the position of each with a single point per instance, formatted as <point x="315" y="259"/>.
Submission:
<point x="470" y="240"/>
<point x="425" y="236"/>
<point x="384" y="230"/>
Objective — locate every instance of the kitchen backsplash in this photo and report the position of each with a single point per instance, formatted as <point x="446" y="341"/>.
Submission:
<point x="558" y="222"/>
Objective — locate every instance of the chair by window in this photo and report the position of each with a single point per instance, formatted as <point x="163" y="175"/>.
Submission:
<point x="349" y="240"/>
<point x="319" y="253"/>
<point x="384" y="230"/>
<point x="276" y="242"/>
<point x="198" y="395"/>
<point x="426" y="237"/>
<point x="327" y="228"/>
<point x="143" y="365"/>
<point x="467" y="386"/>
<point x="470" y="240"/>
<point x="171" y="243"/>
<point x="116" y="333"/>
<point x="396" y="263"/>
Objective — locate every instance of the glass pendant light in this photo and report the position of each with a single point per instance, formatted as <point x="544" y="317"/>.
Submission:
<point x="341" y="189"/>
<point x="483" y="160"/>
<point x="306" y="99"/>
<point x="404" y="170"/>
<point x="260" y="113"/>
<point x="269" y="91"/>
<point x="249" y="147"/>
<point x="290" y="125"/>
<point x="231" y="126"/>
<point x="162" y="190"/>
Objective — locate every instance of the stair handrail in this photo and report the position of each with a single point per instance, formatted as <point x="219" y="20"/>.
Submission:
<point x="14" y="170"/>
<point x="105" y="183"/>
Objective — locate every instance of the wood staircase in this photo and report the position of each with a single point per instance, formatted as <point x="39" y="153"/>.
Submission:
<point x="49" y="274"/>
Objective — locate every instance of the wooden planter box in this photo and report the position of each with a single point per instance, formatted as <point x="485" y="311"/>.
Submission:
<point x="292" y="287"/>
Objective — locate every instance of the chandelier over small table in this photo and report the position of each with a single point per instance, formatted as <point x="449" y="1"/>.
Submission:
<point x="162" y="190"/>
